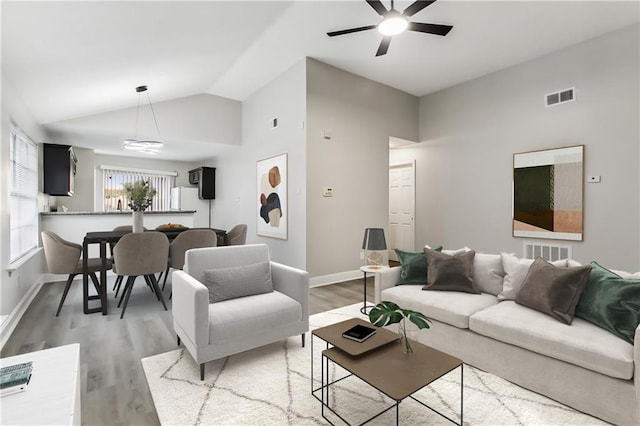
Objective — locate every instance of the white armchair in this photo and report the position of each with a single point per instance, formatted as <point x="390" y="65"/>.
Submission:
<point x="211" y="331"/>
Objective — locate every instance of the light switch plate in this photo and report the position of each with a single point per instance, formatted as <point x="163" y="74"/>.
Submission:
<point x="593" y="179"/>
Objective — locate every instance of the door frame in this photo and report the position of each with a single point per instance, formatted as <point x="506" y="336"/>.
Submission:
<point x="412" y="164"/>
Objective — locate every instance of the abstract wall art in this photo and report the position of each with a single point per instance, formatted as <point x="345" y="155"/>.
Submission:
<point x="548" y="193"/>
<point x="271" y="200"/>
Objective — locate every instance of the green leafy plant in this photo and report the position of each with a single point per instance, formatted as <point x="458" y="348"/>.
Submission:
<point x="140" y="194"/>
<point x="386" y="313"/>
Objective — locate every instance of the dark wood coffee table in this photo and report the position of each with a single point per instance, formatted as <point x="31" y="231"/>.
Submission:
<point x="381" y="364"/>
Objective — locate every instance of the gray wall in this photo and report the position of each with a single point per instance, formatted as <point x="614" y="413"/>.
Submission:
<point x="361" y="115"/>
<point x="13" y="287"/>
<point x="470" y="132"/>
<point x="236" y="198"/>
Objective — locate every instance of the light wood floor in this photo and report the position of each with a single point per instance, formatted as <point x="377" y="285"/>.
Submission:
<point x="114" y="389"/>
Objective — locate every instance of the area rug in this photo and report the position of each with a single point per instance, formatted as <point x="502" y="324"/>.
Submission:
<point x="271" y="385"/>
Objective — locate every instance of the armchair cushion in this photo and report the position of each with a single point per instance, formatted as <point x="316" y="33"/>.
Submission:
<point x="251" y="317"/>
<point x="238" y="281"/>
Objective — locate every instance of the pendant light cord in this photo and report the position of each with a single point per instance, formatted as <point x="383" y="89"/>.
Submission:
<point x="154" y="116"/>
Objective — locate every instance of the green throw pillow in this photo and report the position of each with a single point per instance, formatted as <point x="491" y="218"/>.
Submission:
<point x="611" y="302"/>
<point x="413" y="267"/>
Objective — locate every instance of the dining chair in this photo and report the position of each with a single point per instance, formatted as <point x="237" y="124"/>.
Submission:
<point x="186" y="240"/>
<point x="63" y="257"/>
<point x="141" y="254"/>
<point x="119" y="278"/>
<point x="238" y="235"/>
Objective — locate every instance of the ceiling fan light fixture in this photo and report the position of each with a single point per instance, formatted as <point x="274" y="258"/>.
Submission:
<point x="393" y="25"/>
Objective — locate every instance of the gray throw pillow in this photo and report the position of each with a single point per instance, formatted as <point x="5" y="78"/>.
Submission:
<point x="450" y="273"/>
<point x="238" y="281"/>
<point x="553" y="290"/>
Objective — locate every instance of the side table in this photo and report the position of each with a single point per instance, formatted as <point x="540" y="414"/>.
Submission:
<point x="368" y="269"/>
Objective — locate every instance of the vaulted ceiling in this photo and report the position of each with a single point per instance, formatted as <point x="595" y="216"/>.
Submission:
<point x="73" y="59"/>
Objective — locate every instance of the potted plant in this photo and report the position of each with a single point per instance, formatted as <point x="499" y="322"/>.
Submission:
<point x="386" y="313"/>
<point x="140" y="194"/>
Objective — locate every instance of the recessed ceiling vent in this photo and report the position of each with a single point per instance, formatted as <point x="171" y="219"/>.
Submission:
<point x="561" y="97"/>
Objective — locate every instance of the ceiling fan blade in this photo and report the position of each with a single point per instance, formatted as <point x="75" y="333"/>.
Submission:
<point x="351" y="30"/>
<point x="416" y="7"/>
<point x="378" y="7"/>
<point x="384" y="46"/>
<point x="436" y="29"/>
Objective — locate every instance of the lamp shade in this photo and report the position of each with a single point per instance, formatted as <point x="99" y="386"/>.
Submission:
<point x="374" y="239"/>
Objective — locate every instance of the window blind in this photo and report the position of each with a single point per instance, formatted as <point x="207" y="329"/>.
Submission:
<point x="113" y="187"/>
<point x="23" y="196"/>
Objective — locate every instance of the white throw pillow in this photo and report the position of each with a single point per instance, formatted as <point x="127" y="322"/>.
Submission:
<point x="627" y="275"/>
<point x="488" y="273"/>
<point x="573" y="263"/>
<point x="464" y="249"/>
<point x="516" y="271"/>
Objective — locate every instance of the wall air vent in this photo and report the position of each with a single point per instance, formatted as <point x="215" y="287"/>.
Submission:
<point x="560" y="97"/>
<point x="547" y="251"/>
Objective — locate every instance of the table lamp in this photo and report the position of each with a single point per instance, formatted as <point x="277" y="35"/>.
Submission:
<point x="375" y="247"/>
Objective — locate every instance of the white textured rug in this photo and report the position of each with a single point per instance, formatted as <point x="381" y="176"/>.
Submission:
<point x="271" y="386"/>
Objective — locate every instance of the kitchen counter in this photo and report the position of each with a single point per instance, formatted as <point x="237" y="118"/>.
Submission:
<point x="72" y="213"/>
<point x="73" y="225"/>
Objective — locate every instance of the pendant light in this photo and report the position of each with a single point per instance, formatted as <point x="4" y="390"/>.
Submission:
<point x="146" y="146"/>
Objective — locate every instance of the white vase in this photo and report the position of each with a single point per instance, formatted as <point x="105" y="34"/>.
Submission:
<point x="137" y="222"/>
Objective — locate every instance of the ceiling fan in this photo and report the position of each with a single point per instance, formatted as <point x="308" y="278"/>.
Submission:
<point x="395" y="22"/>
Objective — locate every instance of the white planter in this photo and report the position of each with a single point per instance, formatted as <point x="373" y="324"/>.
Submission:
<point x="138" y="226"/>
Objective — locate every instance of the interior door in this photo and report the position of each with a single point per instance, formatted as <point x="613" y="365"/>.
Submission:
<point x="401" y="208"/>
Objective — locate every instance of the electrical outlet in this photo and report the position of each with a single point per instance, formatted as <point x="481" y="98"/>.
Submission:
<point x="593" y="179"/>
<point x="327" y="192"/>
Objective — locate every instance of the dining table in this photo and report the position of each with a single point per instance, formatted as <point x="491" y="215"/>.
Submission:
<point x="112" y="237"/>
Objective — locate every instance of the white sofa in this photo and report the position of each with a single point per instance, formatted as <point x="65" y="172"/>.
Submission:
<point x="211" y="331"/>
<point x="580" y="365"/>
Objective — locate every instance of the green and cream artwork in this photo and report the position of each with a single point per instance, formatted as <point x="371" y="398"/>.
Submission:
<point x="548" y="193"/>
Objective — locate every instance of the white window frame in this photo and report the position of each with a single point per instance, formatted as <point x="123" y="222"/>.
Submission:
<point x="161" y="180"/>
<point x="23" y="195"/>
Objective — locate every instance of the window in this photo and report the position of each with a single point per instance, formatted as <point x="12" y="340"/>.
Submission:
<point x="23" y="196"/>
<point x="114" y="177"/>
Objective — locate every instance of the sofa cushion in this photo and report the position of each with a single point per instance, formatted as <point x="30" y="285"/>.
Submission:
<point x="238" y="281"/>
<point x="488" y="273"/>
<point x="450" y="273"/>
<point x="581" y="343"/>
<point x="413" y="267"/>
<point x="553" y="290"/>
<point x="611" y="302"/>
<point x="450" y="307"/>
<point x="515" y="272"/>
<point x="240" y="318"/>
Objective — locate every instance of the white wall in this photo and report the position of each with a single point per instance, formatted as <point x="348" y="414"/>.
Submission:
<point x="14" y="287"/>
<point x="361" y="115"/>
<point x="181" y="167"/>
<point x="200" y="119"/>
<point x="236" y="198"/>
<point x="470" y="132"/>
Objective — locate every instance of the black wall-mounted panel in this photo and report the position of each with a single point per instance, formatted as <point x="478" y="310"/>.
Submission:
<point x="205" y="178"/>
<point x="59" y="169"/>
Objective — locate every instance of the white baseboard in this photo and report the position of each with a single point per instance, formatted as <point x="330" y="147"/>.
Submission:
<point x="335" y="278"/>
<point x="11" y="321"/>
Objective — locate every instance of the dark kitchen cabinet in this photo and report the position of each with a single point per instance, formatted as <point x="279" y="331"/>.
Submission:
<point x="205" y="178"/>
<point x="59" y="169"/>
